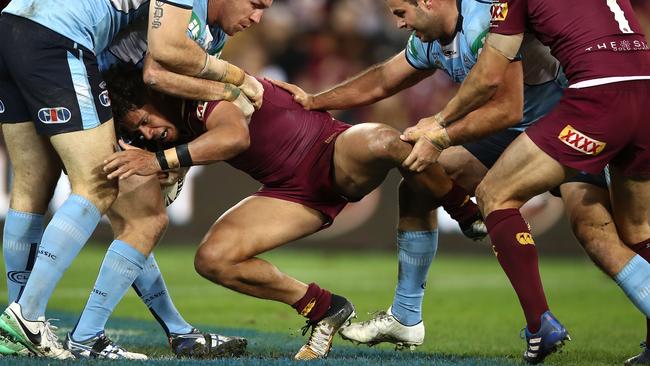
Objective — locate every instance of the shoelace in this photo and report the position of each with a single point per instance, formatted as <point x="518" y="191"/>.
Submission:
<point x="319" y="337"/>
<point x="377" y="316"/>
<point x="49" y="332"/>
<point x="522" y="333"/>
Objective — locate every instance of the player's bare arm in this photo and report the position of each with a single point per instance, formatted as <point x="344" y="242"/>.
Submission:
<point x="188" y="87"/>
<point x="376" y="83"/>
<point x="226" y="137"/>
<point x="171" y="48"/>
<point x="504" y="110"/>
<point x="482" y="82"/>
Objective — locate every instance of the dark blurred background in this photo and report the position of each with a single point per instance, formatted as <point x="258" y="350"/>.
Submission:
<point x="316" y="44"/>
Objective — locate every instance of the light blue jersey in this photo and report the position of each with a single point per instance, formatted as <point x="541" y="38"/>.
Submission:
<point x="543" y="79"/>
<point x="91" y="23"/>
<point x="130" y="45"/>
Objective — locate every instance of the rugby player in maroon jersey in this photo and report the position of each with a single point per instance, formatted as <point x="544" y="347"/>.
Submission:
<point x="599" y="121"/>
<point x="311" y="166"/>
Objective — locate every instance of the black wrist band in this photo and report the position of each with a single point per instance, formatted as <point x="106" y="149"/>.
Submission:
<point x="162" y="160"/>
<point x="184" y="157"/>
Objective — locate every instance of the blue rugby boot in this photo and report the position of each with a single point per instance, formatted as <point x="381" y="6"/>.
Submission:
<point x="206" y="345"/>
<point x="550" y="338"/>
<point x="642" y="358"/>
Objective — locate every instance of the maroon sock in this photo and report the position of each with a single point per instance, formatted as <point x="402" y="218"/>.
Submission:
<point x="458" y="204"/>
<point x="643" y="249"/>
<point x="314" y="304"/>
<point x="516" y="252"/>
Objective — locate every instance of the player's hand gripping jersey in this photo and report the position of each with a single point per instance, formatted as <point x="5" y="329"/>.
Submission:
<point x="593" y="39"/>
<point x="543" y="77"/>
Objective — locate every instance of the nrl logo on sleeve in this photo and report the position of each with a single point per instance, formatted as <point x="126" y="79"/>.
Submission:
<point x="581" y="142"/>
<point x="499" y="11"/>
<point x="2" y="107"/>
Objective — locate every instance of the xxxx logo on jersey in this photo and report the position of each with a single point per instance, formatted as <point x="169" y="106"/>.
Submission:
<point x="581" y="142"/>
<point x="499" y="11"/>
<point x="524" y="239"/>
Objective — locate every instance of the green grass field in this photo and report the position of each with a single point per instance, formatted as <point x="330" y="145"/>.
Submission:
<point x="471" y="314"/>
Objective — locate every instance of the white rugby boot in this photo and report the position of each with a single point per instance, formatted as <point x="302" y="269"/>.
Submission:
<point x="384" y="327"/>
<point x="38" y="336"/>
<point x="100" y="347"/>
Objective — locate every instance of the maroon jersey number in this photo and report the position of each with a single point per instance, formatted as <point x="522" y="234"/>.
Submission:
<point x="619" y="16"/>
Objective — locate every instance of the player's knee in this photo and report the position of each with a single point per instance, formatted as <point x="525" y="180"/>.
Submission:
<point x="632" y="230"/>
<point x="156" y="225"/>
<point x="384" y="143"/>
<point x="101" y="196"/>
<point x="485" y="198"/>
<point x="212" y="263"/>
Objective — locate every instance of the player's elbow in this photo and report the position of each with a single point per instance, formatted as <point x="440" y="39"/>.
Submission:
<point x="241" y="141"/>
<point x="151" y="74"/>
<point x="513" y="115"/>
<point x="488" y="81"/>
<point x="163" y="53"/>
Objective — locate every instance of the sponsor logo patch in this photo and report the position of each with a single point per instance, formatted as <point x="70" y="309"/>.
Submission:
<point x="54" y="115"/>
<point x="200" y="110"/>
<point x="499" y="11"/>
<point x="525" y="239"/>
<point x="19" y="277"/>
<point x="581" y="142"/>
<point x="308" y="308"/>
<point x="2" y="107"/>
<point x="104" y="99"/>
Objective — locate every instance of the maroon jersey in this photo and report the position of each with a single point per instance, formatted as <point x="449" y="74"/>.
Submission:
<point x="592" y="39"/>
<point x="282" y="134"/>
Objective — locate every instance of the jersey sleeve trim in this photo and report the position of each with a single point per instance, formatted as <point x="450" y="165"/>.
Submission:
<point x="178" y="3"/>
<point x="413" y="64"/>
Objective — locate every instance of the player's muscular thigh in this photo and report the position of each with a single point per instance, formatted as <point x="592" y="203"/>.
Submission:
<point x="33" y="160"/>
<point x="83" y="154"/>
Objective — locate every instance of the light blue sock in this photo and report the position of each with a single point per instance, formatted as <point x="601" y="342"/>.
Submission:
<point x="416" y="250"/>
<point x="151" y="288"/>
<point x="634" y="279"/>
<point x="22" y="236"/>
<point x="121" y="265"/>
<point x="64" y="236"/>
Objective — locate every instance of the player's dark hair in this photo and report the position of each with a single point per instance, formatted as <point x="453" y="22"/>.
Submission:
<point x="126" y="89"/>
<point x="412" y="2"/>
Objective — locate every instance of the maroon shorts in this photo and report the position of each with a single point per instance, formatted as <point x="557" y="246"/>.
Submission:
<point x="592" y="127"/>
<point x="312" y="183"/>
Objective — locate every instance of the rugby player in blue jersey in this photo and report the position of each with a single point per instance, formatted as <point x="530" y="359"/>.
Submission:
<point x="449" y="35"/>
<point x="56" y="113"/>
